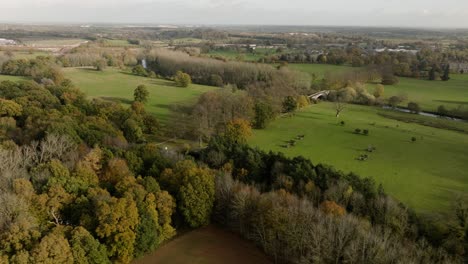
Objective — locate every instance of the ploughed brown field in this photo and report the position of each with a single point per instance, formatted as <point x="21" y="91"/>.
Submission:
<point x="207" y="245"/>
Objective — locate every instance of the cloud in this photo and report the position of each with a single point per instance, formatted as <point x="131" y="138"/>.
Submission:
<point x="426" y="13"/>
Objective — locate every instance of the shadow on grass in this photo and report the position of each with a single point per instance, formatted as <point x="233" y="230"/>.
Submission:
<point x="452" y="102"/>
<point x="117" y="99"/>
<point x="166" y="106"/>
<point x="88" y="69"/>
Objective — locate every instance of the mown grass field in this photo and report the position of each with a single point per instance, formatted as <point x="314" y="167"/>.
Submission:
<point x="428" y="94"/>
<point x="12" y="78"/>
<point x="207" y="245"/>
<point x="427" y="174"/>
<point x="52" y="42"/>
<point x="113" y="84"/>
<point x="431" y="94"/>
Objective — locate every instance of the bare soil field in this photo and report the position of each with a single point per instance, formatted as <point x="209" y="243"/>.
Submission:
<point x="207" y="245"/>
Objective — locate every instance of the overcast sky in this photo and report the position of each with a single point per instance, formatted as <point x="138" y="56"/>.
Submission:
<point x="401" y="13"/>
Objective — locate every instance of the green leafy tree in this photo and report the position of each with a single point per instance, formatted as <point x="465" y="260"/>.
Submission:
<point x="182" y="79"/>
<point x="100" y="64"/>
<point x="140" y="71"/>
<point x="289" y="104"/>
<point x="148" y="229"/>
<point x="10" y="108"/>
<point x="132" y="131"/>
<point x="194" y="188"/>
<point x="414" y="107"/>
<point x="86" y="249"/>
<point x="442" y="110"/>
<point x="117" y="220"/>
<point x="263" y="115"/>
<point x="141" y="94"/>
<point x="379" y="91"/>
<point x="216" y="80"/>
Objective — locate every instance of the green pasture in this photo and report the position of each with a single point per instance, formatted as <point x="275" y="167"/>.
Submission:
<point x="113" y="84"/>
<point x="428" y="94"/>
<point x="427" y="174"/>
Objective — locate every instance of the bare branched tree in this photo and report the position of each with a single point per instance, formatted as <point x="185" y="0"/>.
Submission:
<point x="339" y="107"/>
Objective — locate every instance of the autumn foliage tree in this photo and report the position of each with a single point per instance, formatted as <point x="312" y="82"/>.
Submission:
<point x="331" y="208"/>
<point x="194" y="188"/>
<point x="238" y="130"/>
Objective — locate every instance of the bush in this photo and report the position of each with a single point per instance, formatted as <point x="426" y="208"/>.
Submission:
<point x="182" y="79"/>
<point x="394" y="101"/>
<point x="216" y="80"/>
<point x="413" y="139"/>
<point x="357" y="131"/>
<point x="289" y="104"/>
<point x="100" y="64"/>
<point x="365" y="132"/>
<point x="379" y="91"/>
<point x="139" y="70"/>
<point x="442" y="110"/>
<point x="414" y="107"/>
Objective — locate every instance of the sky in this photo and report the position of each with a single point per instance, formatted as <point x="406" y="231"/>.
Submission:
<point x="397" y="13"/>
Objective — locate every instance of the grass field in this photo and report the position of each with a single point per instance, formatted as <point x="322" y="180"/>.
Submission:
<point x="12" y="78"/>
<point x="431" y="94"/>
<point x="119" y="86"/>
<point x="428" y="94"/>
<point x="207" y="245"/>
<point x="427" y="174"/>
<point x="52" y="42"/>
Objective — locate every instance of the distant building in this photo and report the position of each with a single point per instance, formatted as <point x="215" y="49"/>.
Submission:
<point x="397" y="50"/>
<point x="7" y="42"/>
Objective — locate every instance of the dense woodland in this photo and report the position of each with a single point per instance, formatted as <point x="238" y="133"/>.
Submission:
<point x="81" y="181"/>
<point x="80" y="185"/>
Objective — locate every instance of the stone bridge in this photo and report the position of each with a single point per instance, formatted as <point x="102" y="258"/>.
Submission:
<point x="319" y="95"/>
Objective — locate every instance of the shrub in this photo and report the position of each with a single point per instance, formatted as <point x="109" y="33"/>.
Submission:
<point x="414" y="107"/>
<point x="442" y="110"/>
<point x="379" y="91"/>
<point x="100" y="64"/>
<point x="216" y="80"/>
<point x="365" y="132"/>
<point x="152" y="75"/>
<point x="302" y="101"/>
<point x="139" y="70"/>
<point x="413" y="139"/>
<point x="182" y="79"/>
<point x="357" y="131"/>
<point x="289" y="104"/>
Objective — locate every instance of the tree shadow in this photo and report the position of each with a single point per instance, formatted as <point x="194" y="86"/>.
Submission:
<point x="452" y="102"/>
<point x="88" y="69"/>
<point x="117" y="99"/>
<point x="129" y="73"/>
